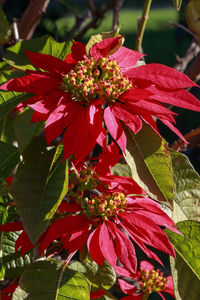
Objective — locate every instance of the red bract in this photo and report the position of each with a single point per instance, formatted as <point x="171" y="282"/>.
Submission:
<point x="97" y="294"/>
<point x="9" y="180"/>
<point x="100" y="212"/>
<point x="150" y="281"/>
<point x="23" y="243"/>
<point x="73" y="95"/>
<point x="108" y="221"/>
<point x="6" y="293"/>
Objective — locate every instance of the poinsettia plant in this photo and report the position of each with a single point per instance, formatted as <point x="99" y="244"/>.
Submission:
<point x="93" y="200"/>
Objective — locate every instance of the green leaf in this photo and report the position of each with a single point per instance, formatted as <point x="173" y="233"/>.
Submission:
<point x="46" y="280"/>
<point x="8" y="211"/>
<point x="177" y="4"/>
<point x="4" y="67"/>
<point x="192" y="14"/>
<point x="24" y="130"/>
<point x="40" y="184"/>
<point x="121" y="170"/>
<point x="100" y="37"/>
<point x="9" y="157"/>
<point x="9" y="100"/>
<point x="5" y="32"/>
<point x="149" y="160"/>
<point x="186" y="268"/>
<point x="186" y="189"/>
<point x="7" y="133"/>
<point x="16" y="57"/>
<point x="100" y="277"/>
<point x="19" y="294"/>
<point x="12" y="261"/>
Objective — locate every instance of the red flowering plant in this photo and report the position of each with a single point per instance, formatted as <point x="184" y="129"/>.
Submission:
<point x="91" y="174"/>
<point x="103" y="214"/>
<point x="147" y="280"/>
<point x="107" y="212"/>
<point x="103" y="85"/>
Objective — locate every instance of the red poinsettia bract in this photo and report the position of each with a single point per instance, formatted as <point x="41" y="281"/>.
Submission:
<point x="23" y="242"/>
<point x="76" y="95"/>
<point x="6" y="293"/>
<point x="109" y="221"/>
<point x="106" y="212"/>
<point x="150" y="281"/>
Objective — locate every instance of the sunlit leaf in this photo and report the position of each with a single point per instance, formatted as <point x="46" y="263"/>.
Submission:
<point x="186" y="268"/>
<point x="12" y="261"/>
<point x="5" y="32"/>
<point x="8" y="211"/>
<point x="100" y="37"/>
<point x="186" y="189"/>
<point x="4" y="66"/>
<point x="149" y="160"/>
<point x="19" y="294"/>
<point x="46" y="280"/>
<point x="16" y="57"/>
<point x="9" y="100"/>
<point x="40" y="184"/>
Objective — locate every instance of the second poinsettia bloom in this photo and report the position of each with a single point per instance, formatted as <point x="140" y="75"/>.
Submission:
<point x="148" y="281"/>
<point x="101" y="214"/>
<point x="98" y="89"/>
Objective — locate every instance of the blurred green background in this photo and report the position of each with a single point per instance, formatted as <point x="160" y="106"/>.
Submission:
<point x="161" y="41"/>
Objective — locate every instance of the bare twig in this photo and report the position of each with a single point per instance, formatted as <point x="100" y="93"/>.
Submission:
<point x="32" y="17"/>
<point x="80" y="21"/>
<point x="177" y="145"/>
<point x="96" y="18"/>
<point x="116" y="10"/>
<point x="97" y="14"/>
<point x="15" y="30"/>
<point x="191" y="53"/>
<point x="92" y="6"/>
<point x="184" y="28"/>
<point x="62" y="271"/>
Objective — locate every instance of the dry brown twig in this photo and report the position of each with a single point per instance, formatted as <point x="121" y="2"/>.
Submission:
<point x="31" y="18"/>
<point x="97" y="15"/>
<point x="116" y="11"/>
<point x="193" y="135"/>
<point x="190" y="63"/>
<point x="37" y="8"/>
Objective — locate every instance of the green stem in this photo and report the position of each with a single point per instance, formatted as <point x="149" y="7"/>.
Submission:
<point x="142" y="25"/>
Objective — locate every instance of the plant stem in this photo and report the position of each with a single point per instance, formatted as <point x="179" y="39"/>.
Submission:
<point x="142" y="25"/>
<point x="62" y="271"/>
